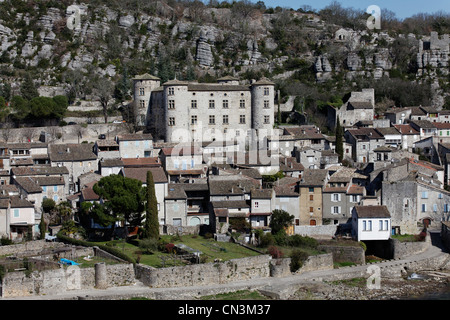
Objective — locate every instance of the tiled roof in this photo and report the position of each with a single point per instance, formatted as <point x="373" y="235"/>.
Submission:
<point x="158" y="173"/>
<point x="372" y="212"/>
<point x="71" y="152"/>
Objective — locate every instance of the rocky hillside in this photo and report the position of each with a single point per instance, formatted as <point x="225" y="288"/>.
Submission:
<point x="309" y="55"/>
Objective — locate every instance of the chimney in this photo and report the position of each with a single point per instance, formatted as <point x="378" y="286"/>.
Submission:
<point x="68" y="150"/>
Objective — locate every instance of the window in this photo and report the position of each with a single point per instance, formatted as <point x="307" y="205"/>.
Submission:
<point x="256" y="204"/>
<point x="435" y="207"/>
<point x="225" y="119"/>
<point x="424" y="195"/>
<point x="446" y="207"/>
<point x="141" y="91"/>
<point x="311" y="189"/>
<point x="266" y="91"/>
<point x="311" y="198"/>
<point x="242" y="119"/>
<point x="225" y="104"/>
<point x="55" y="198"/>
<point x="242" y="104"/>
<point x="171" y="91"/>
<point x="266" y="104"/>
<point x="211" y="104"/>
<point x="193" y="119"/>
<point x="16" y="213"/>
<point x="44" y="188"/>
<point x="367" y="225"/>
<point x="171" y="104"/>
<point x="212" y="119"/>
<point x="311" y="209"/>
<point x="266" y="119"/>
<point x="336" y="197"/>
<point x="55" y="188"/>
<point x="193" y="104"/>
<point x="424" y="207"/>
<point x="354" y="198"/>
<point x="383" y="225"/>
<point x="336" y="210"/>
<point x="171" y="121"/>
<point x="142" y="103"/>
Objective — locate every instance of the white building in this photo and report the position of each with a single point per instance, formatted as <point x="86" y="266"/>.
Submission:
<point x="371" y="223"/>
<point x="190" y="111"/>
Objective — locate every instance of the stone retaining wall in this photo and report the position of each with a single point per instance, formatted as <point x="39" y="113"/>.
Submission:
<point x="21" y="284"/>
<point x="345" y="253"/>
<point x="404" y="249"/>
<point x="205" y="274"/>
<point x="29" y="248"/>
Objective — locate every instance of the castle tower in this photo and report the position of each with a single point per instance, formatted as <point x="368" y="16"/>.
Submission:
<point x="176" y="105"/>
<point x="263" y="109"/>
<point x="143" y="86"/>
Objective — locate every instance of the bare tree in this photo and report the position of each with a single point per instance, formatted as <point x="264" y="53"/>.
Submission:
<point x="103" y="90"/>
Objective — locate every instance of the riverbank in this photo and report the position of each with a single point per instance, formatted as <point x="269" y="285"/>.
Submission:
<point x="428" y="285"/>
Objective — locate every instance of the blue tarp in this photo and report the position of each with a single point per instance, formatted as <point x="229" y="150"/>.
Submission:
<point x="68" y="262"/>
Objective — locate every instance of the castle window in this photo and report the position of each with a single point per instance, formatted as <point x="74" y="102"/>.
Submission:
<point x="193" y="119"/>
<point x="266" y="119"/>
<point x="142" y="103"/>
<point x="212" y="119"/>
<point x="225" y="104"/>
<point x="141" y="91"/>
<point x="193" y="104"/>
<point x="242" y="104"/>
<point x="171" y="104"/>
<point x="242" y="119"/>
<point x="171" y="91"/>
<point x="211" y="104"/>
<point x="266" y="104"/>
<point x="266" y="91"/>
<point x="225" y="119"/>
<point x="171" y="121"/>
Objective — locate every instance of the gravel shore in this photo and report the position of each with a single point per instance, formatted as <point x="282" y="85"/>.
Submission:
<point x="429" y="286"/>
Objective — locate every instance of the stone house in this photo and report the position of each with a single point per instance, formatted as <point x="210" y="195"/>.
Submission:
<point x="364" y="141"/>
<point x="42" y="171"/>
<point x="106" y="149"/>
<point x="186" y="204"/>
<point x="110" y="166"/>
<point x="414" y="201"/>
<point x="359" y="107"/>
<point x="398" y="116"/>
<point x="424" y="127"/>
<point x="311" y="187"/>
<point x="77" y="158"/>
<point x="409" y="135"/>
<point x="293" y="138"/>
<point x="135" y="145"/>
<point x="371" y="223"/>
<point x="340" y="195"/>
<point x="16" y="216"/>
<point x="291" y="167"/>
<point x="287" y="197"/>
<point x="183" y="163"/>
<point x="392" y="137"/>
<point x="261" y="207"/>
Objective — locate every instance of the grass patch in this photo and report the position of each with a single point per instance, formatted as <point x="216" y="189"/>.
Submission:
<point x="405" y="237"/>
<point x="210" y="249"/>
<point x="354" y="282"/>
<point x="238" y="295"/>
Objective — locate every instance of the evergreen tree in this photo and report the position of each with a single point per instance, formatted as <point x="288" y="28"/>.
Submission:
<point x="339" y="140"/>
<point x="151" y="224"/>
<point x="28" y="89"/>
<point x="42" y="227"/>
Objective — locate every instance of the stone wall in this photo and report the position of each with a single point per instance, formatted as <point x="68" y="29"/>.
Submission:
<point x="345" y="253"/>
<point x="29" y="248"/>
<point x="404" y="249"/>
<point x="319" y="262"/>
<point x="21" y="284"/>
<point x="205" y="274"/>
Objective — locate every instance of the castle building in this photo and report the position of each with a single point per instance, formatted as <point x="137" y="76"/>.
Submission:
<point x="181" y="111"/>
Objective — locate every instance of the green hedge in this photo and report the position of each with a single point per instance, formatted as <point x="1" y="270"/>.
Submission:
<point x="114" y="251"/>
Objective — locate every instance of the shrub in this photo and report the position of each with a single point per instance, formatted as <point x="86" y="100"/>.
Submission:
<point x="297" y="240"/>
<point x="275" y="252"/>
<point x="298" y="257"/>
<point x="149" y="245"/>
<point x="266" y="239"/>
